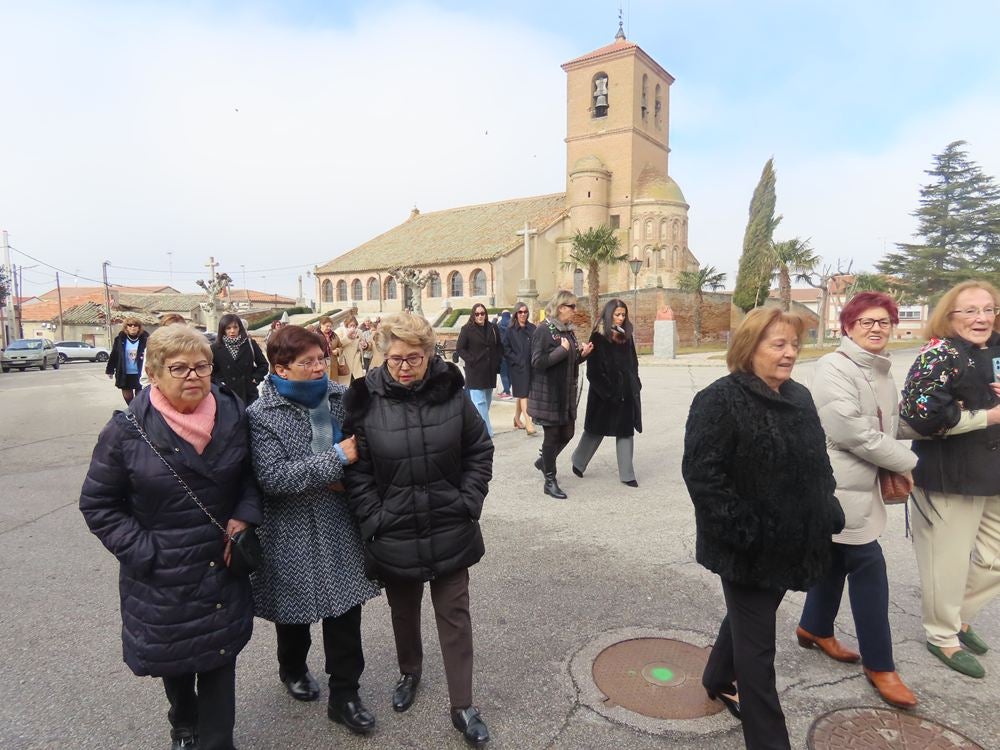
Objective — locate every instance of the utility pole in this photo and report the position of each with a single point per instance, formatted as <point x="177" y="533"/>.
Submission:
<point x="170" y="266"/>
<point x="18" y="285"/>
<point x="59" y="297"/>
<point x="107" y="303"/>
<point x="5" y="259"/>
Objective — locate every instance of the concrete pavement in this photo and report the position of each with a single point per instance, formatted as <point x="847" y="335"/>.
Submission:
<point x="558" y="577"/>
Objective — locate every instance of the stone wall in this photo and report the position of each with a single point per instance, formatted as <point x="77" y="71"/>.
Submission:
<point x="717" y="314"/>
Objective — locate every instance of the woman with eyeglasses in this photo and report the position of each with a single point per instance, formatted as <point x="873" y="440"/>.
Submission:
<point x="126" y="358"/>
<point x="555" y="360"/>
<point x="517" y="354"/>
<point x="951" y="399"/>
<point x="185" y="616"/>
<point x="313" y="566"/>
<point x="481" y="349"/>
<point x="856" y="397"/>
<point x="424" y="465"/>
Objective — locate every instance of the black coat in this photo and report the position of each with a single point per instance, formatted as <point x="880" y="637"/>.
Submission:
<point x="242" y="374"/>
<point x="423" y="471"/>
<point x="517" y="352"/>
<point x="552" y="400"/>
<point x="116" y="358"/>
<point x="757" y="470"/>
<point x="613" y="406"/>
<point x="481" y="348"/>
<point x="182" y="610"/>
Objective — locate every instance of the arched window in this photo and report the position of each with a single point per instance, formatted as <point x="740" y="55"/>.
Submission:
<point x="599" y="87"/>
<point x="356" y="289"/>
<point x="477" y="282"/>
<point x="341" y="291"/>
<point x="677" y="257"/>
<point x="677" y="230"/>
<point x="663" y="229"/>
<point x="327" y="291"/>
<point x="649" y="229"/>
<point x="636" y="229"/>
<point x="390" y="288"/>
<point x="434" y="287"/>
<point x="372" y="287"/>
<point x="578" y="282"/>
<point x="455" y="284"/>
<point x="657" y="108"/>
<point x="643" y="103"/>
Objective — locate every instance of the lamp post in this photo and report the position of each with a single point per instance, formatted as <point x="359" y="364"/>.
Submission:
<point x="634" y="265"/>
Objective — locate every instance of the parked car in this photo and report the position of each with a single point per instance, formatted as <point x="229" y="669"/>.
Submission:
<point x="21" y="354"/>
<point x="70" y="350"/>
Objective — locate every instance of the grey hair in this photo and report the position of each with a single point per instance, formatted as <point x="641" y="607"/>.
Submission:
<point x="562" y="297"/>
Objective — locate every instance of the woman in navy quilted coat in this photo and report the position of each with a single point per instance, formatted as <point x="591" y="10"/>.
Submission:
<point x="184" y="615"/>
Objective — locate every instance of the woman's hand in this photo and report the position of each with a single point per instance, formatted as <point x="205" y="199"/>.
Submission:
<point x="336" y="352"/>
<point x="350" y="448"/>
<point x="586" y="349"/>
<point x="993" y="415"/>
<point x="564" y="343"/>
<point x="234" y="527"/>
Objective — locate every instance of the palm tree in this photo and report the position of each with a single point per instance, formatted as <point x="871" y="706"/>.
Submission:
<point x="694" y="282"/>
<point x="592" y="249"/>
<point x="793" y="256"/>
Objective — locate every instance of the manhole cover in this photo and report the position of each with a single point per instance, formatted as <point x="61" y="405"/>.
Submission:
<point x="883" y="729"/>
<point x="656" y="677"/>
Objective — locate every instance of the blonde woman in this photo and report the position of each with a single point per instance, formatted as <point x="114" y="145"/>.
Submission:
<point x="125" y="361"/>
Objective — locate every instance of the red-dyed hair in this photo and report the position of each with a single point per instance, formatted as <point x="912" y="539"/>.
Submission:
<point x="863" y="301"/>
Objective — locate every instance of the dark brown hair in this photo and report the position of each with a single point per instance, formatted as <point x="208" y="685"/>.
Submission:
<point x="290" y="342"/>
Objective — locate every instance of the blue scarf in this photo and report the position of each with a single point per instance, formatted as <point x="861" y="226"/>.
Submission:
<point x="308" y="393"/>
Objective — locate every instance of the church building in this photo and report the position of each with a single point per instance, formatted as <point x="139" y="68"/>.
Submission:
<point x="617" y="159"/>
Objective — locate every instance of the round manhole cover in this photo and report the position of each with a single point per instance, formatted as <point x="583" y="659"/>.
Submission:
<point x="883" y="729"/>
<point x="656" y="677"/>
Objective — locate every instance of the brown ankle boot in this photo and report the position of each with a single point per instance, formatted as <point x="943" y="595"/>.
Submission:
<point x="891" y="688"/>
<point x="829" y="646"/>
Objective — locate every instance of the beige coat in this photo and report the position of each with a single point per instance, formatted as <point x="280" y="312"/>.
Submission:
<point x="351" y="356"/>
<point x="844" y="390"/>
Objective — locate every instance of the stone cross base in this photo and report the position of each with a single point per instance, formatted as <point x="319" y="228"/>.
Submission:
<point x="665" y="339"/>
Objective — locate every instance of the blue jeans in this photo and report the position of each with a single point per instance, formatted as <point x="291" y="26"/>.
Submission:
<point x="481" y="399"/>
<point x="863" y="566"/>
<point x="505" y="376"/>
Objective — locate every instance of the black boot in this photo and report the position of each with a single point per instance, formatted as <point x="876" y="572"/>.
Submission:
<point x="552" y="486"/>
<point x="539" y="465"/>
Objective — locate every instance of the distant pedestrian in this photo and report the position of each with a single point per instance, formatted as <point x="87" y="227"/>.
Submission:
<point x="276" y="326"/>
<point x="555" y="360"/>
<point x="334" y="350"/>
<point x="517" y="356"/>
<point x="351" y="350"/>
<point x="613" y="406"/>
<point x="239" y="363"/>
<point x="126" y="358"/>
<point x="503" y="322"/>
<point x="481" y="349"/>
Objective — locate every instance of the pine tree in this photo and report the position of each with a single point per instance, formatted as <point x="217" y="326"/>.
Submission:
<point x="958" y="223"/>
<point x="753" y="279"/>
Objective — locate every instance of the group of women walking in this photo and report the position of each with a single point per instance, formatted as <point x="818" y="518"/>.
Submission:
<point x="787" y="492"/>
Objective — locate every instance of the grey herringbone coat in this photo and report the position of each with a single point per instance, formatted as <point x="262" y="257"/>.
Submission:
<point x="313" y="561"/>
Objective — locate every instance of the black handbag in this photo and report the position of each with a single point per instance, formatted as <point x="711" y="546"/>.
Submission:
<point x="245" y="552"/>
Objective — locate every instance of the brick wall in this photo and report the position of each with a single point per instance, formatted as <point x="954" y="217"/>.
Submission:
<point x="717" y="314"/>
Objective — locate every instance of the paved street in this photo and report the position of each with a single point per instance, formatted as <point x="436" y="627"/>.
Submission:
<point x="558" y="577"/>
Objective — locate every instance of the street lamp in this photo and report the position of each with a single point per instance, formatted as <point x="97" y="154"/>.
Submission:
<point x="634" y="265"/>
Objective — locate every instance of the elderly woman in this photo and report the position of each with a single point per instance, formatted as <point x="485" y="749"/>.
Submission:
<point x="313" y="567"/>
<point x="185" y="616"/>
<point x="951" y="399"/>
<point x="613" y="406"/>
<point x="125" y="361"/>
<point x="856" y="398"/>
<point x="239" y="362"/>
<point x="352" y="353"/>
<point x="517" y="355"/>
<point x="555" y="362"/>
<point x="756" y="467"/>
<point x="423" y="471"/>
<point x="481" y="348"/>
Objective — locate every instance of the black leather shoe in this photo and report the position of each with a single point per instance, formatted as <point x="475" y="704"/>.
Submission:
<point x="552" y="487"/>
<point x="304" y="688"/>
<point x="470" y="724"/>
<point x="578" y="472"/>
<point x="353" y="715"/>
<point x="405" y="692"/>
<point x="184" y="743"/>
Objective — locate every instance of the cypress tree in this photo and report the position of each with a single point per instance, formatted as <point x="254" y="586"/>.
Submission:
<point x="753" y="279"/>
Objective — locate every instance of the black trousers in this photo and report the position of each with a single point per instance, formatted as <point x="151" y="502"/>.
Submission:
<point x="345" y="658"/>
<point x="208" y="710"/>
<point x="863" y="565"/>
<point x="744" y="654"/>
<point x="450" y="597"/>
<point x="556" y="438"/>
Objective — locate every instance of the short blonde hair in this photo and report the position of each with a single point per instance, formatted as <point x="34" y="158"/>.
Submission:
<point x="171" y="340"/>
<point x="939" y="323"/>
<point x="751" y="331"/>
<point x="406" y="327"/>
<point x="129" y="319"/>
<point x="560" y="298"/>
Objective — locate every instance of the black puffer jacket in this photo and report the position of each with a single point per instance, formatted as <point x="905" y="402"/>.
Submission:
<point x="242" y="374"/>
<point x="116" y="358"/>
<point x="552" y="400"/>
<point x="422" y="474"/>
<point x="182" y="610"/>
<point x="481" y="349"/>
<point x="757" y="470"/>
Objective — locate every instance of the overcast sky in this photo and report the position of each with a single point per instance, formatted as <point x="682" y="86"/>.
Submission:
<point x="276" y="135"/>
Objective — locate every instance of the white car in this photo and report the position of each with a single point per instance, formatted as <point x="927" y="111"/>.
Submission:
<point x="71" y="350"/>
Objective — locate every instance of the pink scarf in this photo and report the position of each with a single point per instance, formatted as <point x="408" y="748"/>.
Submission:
<point x="196" y="427"/>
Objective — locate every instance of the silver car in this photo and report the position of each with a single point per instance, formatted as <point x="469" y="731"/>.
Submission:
<point x="21" y="354"/>
<point x="80" y="350"/>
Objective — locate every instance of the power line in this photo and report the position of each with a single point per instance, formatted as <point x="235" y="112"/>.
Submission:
<point x="55" y="268"/>
<point x="202" y="273"/>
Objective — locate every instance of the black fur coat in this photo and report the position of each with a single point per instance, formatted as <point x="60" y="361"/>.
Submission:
<point x="757" y="470"/>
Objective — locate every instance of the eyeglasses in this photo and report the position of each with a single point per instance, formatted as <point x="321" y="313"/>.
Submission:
<point x="181" y="372"/>
<point x="131" y="325"/>
<point x="973" y="312"/>
<point x="522" y="312"/>
<point x="570" y="305"/>
<point x="869" y="323"/>
<point x="310" y="364"/>
<point x="479" y="314"/>
<point x="414" y="360"/>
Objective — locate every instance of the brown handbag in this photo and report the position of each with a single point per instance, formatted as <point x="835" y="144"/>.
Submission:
<point x="343" y="369"/>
